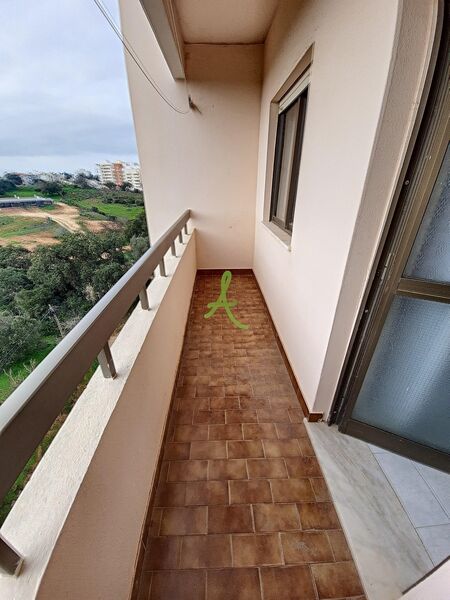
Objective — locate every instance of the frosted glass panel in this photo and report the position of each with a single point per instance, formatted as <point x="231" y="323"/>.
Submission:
<point x="430" y="255"/>
<point x="406" y="389"/>
<point x="287" y="159"/>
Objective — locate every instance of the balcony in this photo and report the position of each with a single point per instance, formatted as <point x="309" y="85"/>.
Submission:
<point x="241" y="508"/>
<point x="193" y="467"/>
<point x="235" y="496"/>
<point x="186" y="468"/>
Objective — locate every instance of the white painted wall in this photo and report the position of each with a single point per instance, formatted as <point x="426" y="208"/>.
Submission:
<point x="203" y="160"/>
<point x="369" y="62"/>
<point x="78" y="521"/>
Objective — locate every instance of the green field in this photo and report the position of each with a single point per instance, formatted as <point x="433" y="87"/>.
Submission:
<point x="19" y="370"/>
<point x="28" y="192"/>
<point x="88" y="199"/>
<point x="19" y="226"/>
<point x="121" y="211"/>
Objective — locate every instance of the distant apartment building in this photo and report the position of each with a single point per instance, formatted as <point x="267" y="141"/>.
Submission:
<point x="132" y="174"/>
<point x="119" y="172"/>
<point x="105" y="172"/>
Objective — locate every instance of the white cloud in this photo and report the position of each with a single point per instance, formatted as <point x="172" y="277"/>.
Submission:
<point x="64" y="100"/>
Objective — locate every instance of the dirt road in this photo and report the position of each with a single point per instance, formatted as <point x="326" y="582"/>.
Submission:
<point x="64" y="215"/>
<point x="30" y="242"/>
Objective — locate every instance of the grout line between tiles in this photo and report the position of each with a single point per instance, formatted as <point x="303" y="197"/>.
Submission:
<point x="271" y="490"/>
<point x="434" y="494"/>
<point x="253" y="518"/>
<point x="404" y="509"/>
<point x="261" y="588"/>
<point x="313" y="580"/>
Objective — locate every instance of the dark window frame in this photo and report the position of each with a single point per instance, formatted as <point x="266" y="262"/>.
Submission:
<point x="287" y="223"/>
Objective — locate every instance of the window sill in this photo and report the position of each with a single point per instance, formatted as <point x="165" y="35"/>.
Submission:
<point x="279" y="234"/>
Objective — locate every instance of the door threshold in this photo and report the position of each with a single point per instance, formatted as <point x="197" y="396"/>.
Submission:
<point x="386" y="548"/>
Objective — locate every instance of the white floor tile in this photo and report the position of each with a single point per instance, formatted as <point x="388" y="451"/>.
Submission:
<point x="416" y="496"/>
<point x="439" y="482"/>
<point x="389" y="554"/>
<point x="436" y="541"/>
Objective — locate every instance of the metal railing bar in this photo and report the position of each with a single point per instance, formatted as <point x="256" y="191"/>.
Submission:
<point x="28" y="413"/>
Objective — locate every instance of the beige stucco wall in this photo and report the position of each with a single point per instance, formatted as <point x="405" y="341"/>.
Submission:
<point x="205" y="160"/>
<point x="369" y="61"/>
<point x="369" y="65"/>
<point x="79" y="519"/>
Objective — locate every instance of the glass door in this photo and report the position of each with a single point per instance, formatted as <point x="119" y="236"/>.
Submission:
<point x="396" y="387"/>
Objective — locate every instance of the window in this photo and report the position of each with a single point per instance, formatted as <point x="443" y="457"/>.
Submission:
<point x="288" y="149"/>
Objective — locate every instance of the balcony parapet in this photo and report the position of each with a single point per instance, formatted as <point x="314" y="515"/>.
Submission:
<point x="28" y="413"/>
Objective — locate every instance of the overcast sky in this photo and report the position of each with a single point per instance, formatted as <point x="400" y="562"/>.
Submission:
<point x="64" y="101"/>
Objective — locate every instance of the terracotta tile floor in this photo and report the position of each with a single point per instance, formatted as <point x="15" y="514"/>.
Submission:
<point x="242" y="511"/>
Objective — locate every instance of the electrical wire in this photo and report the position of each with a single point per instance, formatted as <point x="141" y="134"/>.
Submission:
<point x="129" y="48"/>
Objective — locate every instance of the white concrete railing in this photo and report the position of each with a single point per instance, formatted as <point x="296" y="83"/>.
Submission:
<point x="79" y="520"/>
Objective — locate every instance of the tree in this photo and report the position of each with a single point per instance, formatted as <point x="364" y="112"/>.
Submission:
<point x="6" y="186"/>
<point x="136" y="227"/>
<point x="13" y="178"/>
<point x="11" y="282"/>
<point x="139" y="245"/>
<point x="81" y="181"/>
<point x="110" y="185"/>
<point x="50" y="187"/>
<point x="14" y="256"/>
<point x="126" y="185"/>
<point x="20" y="335"/>
<point x="105" y="277"/>
<point x="74" y="274"/>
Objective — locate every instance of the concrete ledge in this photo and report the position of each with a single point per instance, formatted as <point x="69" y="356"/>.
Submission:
<point x="79" y="520"/>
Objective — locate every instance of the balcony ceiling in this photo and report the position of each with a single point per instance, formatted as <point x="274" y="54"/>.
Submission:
<point x="225" y="21"/>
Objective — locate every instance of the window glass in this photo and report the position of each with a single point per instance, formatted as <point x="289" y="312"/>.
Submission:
<point x="430" y="255"/>
<point x="290" y="127"/>
<point x="287" y="157"/>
